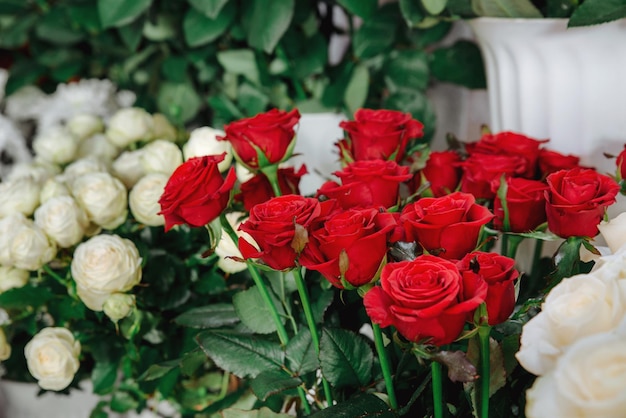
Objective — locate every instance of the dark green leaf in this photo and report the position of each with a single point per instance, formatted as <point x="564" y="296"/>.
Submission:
<point x="175" y="68"/>
<point x="361" y="406"/>
<point x="123" y="401"/>
<point x="23" y="297"/>
<point x="56" y="27"/>
<point x="200" y="29"/>
<point x="361" y="8"/>
<point x="241" y="354"/>
<point x="300" y="355"/>
<point x="17" y="32"/>
<point x="320" y="301"/>
<point x="257" y="413"/>
<point x="103" y="377"/>
<point x="592" y="12"/>
<point x="178" y="101"/>
<point x="131" y="34"/>
<point x="560" y="8"/>
<point x="270" y="20"/>
<point x="121" y="12"/>
<point x="253" y="311"/>
<point x="192" y="361"/>
<point x="210" y="316"/>
<point x="240" y="61"/>
<point x="461" y="64"/>
<point x="225" y="110"/>
<point x="357" y="89"/>
<point x="375" y="37"/>
<point x="412" y="12"/>
<point x="567" y="259"/>
<point x="461" y="8"/>
<point x="85" y="16"/>
<point x="210" y="8"/>
<point x="13" y="7"/>
<point x="251" y="99"/>
<point x="505" y="8"/>
<point x="345" y="357"/>
<point x="272" y="382"/>
<point x="157" y="371"/>
<point x="312" y="58"/>
<point x="408" y="69"/>
<point x="417" y="104"/>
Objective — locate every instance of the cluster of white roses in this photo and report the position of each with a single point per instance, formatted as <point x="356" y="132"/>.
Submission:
<point x="577" y="343"/>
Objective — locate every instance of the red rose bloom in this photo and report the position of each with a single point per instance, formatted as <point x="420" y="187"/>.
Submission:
<point x="372" y="183"/>
<point x="361" y="234"/>
<point x="576" y="201"/>
<point x="479" y="170"/>
<point x="258" y="189"/>
<point x="425" y="299"/>
<point x="271" y="132"/>
<point x="379" y="134"/>
<point x="196" y="193"/>
<point x="272" y="225"/>
<point x="499" y="273"/>
<point x="526" y="203"/>
<point x="552" y="161"/>
<point x="621" y="164"/>
<point x="448" y="225"/>
<point x="442" y="171"/>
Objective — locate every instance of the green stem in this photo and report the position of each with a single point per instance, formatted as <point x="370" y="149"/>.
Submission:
<point x="54" y="275"/>
<point x="271" y="172"/>
<point x="384" y="364"/>
<point x="514" y="242"/>
<point x="483" y="335"/>
<point x="305" y="403"/>
<point x="308" y="313"/>
<point x="504" y="250"/>
<point x="536" y="257"/>
<point x="435" y="368"/>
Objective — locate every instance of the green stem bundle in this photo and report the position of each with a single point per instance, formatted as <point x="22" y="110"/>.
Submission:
<point x="385" y="365"/>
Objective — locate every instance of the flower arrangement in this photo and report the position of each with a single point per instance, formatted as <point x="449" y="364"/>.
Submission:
<point x="192" y="270"/>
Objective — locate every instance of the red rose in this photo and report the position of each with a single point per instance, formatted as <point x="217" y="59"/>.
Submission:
<point x="372" y="183"/>
<point x="271" y="132"/>
<point x="499" y="273"/>
<point x="196" y="193"/>
<point x="576" y="201"/>
<point x="258" y="189"/>
<point x="449" y="225"/>
<point x="424" y="299"/>
<point x="361" y="234"/>
<point x="442" y="171"/>
<point x="379" y="134"/>
<point x="479" y="170"/>
<point x="272" y="225"/>
<point x="621" y="164"/>
<point x="552" y="161"/>
<point x="526" y="203"/>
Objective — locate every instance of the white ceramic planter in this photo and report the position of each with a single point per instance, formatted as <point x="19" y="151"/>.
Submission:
<point x="568" y="85"/>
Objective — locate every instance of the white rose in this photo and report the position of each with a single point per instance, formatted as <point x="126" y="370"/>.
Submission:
<point x="203" y="141"/>
<point x="98" y="146"/>
<point x="11" y="277"/>
<point x="118" y="306"/>
<point x="56" y="145"/>
<point x="144" y="197"/>
<point x="242" y="172"/>
<point x="52" y="188"/>
<point x="162" y="128"/>
<point x="38" y="170"/>
<point x="84" y="126"/>
<point x="21" y="195"/>
<point x="81" y="167"/>
<point x="103" y="265"/>
<point x="8" y="227"/>
<point x="226" y="247"/>
<point x="103" y="197"/>
<point x="129" y="125"/>
<point x="577" y="307"/>
<point x="127" y="167"/>
<point x="62" y="220"/>
<point x="52" y="358"/>
<point x="161" y="156"/>
<point x="587" y="381"/>
<point x="5" y="348"/>
<point x="31" y="248"/>
<point x="614" y="232"/>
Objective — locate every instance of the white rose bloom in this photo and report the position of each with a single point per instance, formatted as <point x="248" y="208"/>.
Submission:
<point x="81" y="167"/>
<point x="614" y="232"/>
<point x="118" y="306"/>
<point x="8" y="227"/>
<point x="128" y="167"/>
<point x="31" y="248"/>
<point x="25" y="103"/>
<point x="38" y="170"/>
<point x="203" y="141"/>
<point x="226" y="248"/>
<point x="103" y="265"/>
<point x="5" y="348"/>
<point x="144" y="197"/>
<point x="98" y="146"/>
<point x="242" y="172"/>
<point x="162" y="128"/>
<point x="161" y="156"/>
<point x="56" y="145"/>
<point x="52" y="357"/>
<point x="577" y="307"/>
<point x="11" y="277"/>
<point x="85" y="125"/>
<point x="103" y="197"/>
<point x="52" y="188"/>
<point x="62" y="220"/>
<point x="129" y="125"/>
<point x="587" y="381"/>
<point x="21" y="195"/>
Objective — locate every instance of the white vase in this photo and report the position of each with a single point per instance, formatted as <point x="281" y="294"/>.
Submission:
<point x="550" y="82"/>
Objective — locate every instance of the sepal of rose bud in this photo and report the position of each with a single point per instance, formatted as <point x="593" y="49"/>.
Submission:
<point x="118" y="306"/>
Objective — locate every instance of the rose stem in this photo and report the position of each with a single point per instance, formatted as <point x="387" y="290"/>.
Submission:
<point x="483" y="336"/>
<point x="435" y="368"/>
<point x="271" y="172"/>
<point x="308" y="313"/>
<point x="384" y="364"/>
<point x="504" y="250"/>
<point x="536" y="257"/>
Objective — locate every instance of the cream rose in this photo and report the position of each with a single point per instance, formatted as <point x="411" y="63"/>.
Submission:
<point x="11" y="277"/>
<point x="118" y="306"/>
<point x="52" y="188"/>
<point x="85" y="125"/>
<point x="38" y="170"/>
<point x="5" y="347"/>
<point x="103" y="197"/>
<point x="161" y="156"/>
<point x="98" y="146"/>
<point x="52" y="358"/>
<point x="577" y="307"/>
<point x="103" y="265"/>
<point x="56" y="145"/>
<point x="127" y="167"/>
<point x="203" y="141"/>
<point x="62" y="220"/>
<point x="81" y="167"/>
<point x="162" y="128"/>
<point x="243" y="174"/>
<point x="614" y="232"/>
<point x="587" y="381"/>
<point x="144" y="197"/>
<point x="226" y="248"/>
<point x="30" y="247"/>
<point x="129" y="125"/>
<point x="20" y="195"/>
<point x="8" y="227"/>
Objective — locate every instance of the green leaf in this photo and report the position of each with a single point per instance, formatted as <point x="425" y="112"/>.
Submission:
<point x="161" y="28"/>
<point x="270" y="20"/>
<point x="123" y="401"/>
<point x="241" y="354"/>
<point x="13" y="7"/>
<point x="178" y="101"/>
<point x="561" y="8"/>
<point x="211" y="316"/>
<point x="362" y="405"/>
<point x="192" y="361"/>
<point x="408" y="69"/>
<point x="253" y="311"/>
<point x="411" y="12"/>
<point x="312" y="58"/>
<point x="272" y="382"/>
<point x="434" y="7"/>
<point x="201" y="30"/>
<point x="174" y="68"/>
<point x="374" y="37"/>
<point x="460" y="63"/>
<point x="320" y="301"/>
<point x="131" y="34"/>
<point x="345" y="358"/>
<point x="264" y="412"/>
<point x="157" y="371"/>
<point x="416" y="103"/>
<point x="210" y="8"/>
<point x="300" y="355"/>
<point x="593" y="12"/>
<point x="505" y="8"/>
<point x="23" y="297"/>
<point x="357" y="89"/>
<point x="56" y="27"/>
<point x="121" y="12"/>
<point x="103" y="377"/>
<point x="251" y="99"/>
<point x="17" y="32"/>
<point x="361" y="8"/>
<point x="240" y="62"/>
